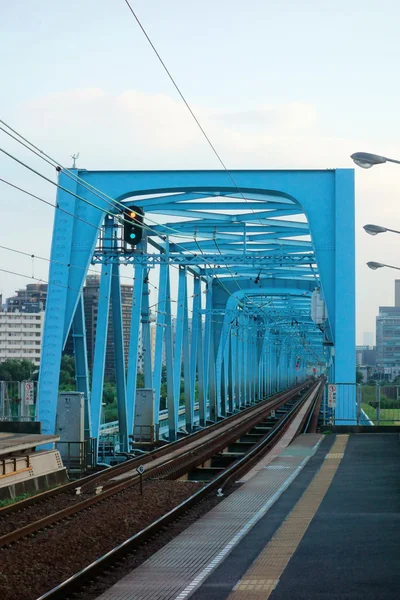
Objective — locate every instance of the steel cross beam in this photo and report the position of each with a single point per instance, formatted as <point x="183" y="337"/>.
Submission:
<point x="253" y="259"/>
<point x="227" y="270"/>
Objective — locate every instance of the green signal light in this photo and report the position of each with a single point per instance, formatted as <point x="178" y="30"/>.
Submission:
<point x="132" y="236"/>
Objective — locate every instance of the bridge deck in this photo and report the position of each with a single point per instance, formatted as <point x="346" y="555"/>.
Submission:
<point x="338" y="540"/>
<point x="178" y="568"/>
<point x="332" y="533"/>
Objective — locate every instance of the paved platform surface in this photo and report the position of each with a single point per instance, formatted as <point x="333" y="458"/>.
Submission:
<point x="16" y="442"/>
<point x="340" y="540"/>
<point x="322" y="521"/>
<point x="182" y="565"/>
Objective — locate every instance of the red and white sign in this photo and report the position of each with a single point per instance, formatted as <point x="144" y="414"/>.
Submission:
<point x="29" y="393"/>
<point x="332" y="395"/>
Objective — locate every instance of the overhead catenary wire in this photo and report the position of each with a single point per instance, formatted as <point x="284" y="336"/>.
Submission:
<point x="112" y="203"/>
<point x="84" y="199"/>
<point x="176" y="86"/>
<point x="100" y="194"/>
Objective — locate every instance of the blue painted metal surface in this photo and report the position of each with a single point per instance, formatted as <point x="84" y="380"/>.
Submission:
<point x="235" y="268"/>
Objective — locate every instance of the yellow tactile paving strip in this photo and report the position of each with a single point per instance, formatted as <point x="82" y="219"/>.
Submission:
<point x="180" y="567"/>
<point x="264" y="574"/>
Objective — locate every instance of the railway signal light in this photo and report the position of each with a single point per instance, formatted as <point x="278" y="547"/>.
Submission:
<point x="133" y="225"/>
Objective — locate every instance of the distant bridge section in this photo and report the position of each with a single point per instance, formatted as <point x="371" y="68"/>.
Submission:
<point x="227" y="265"/>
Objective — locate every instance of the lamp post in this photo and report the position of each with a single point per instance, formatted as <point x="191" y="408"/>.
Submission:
<point x="376" y="265"/>
<point x="375" y="229"/>
<point x="367" y="160"/>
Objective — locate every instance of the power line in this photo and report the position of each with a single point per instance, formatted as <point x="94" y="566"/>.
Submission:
<point x="112" y="202"/>
<point x="85" y="200"/>
<point x="47" y="202"/>
<point x="96" y="191"/>
<point x="186" y="102"/>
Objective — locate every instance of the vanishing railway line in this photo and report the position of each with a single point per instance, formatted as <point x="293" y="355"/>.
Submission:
<point x="221" y="453"/>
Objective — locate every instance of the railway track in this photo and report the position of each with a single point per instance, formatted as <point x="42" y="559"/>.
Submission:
<point x="172" y="462"/>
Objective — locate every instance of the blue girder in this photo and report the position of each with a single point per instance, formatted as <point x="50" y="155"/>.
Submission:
<point x="252" y="254"/>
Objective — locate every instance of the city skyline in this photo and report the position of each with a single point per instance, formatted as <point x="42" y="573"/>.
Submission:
<point x="298" y="117"/>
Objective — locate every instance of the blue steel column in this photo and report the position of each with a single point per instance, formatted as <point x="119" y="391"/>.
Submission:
<point x="240" y="343"/>
<point x="230" y="375"/>
<point x="119" y="356"/>
<point x="246" y="361"/>
<point x="194" y="346"/>
<point x="345" y="357"/>
<point x="146" y="342"/>
<point x="225" y="377"/>
<point x="81" y="363"/>
<point x="189" y="400"/>
<point x="274" y="369"/>
<point x="221" y="366"/>
<point x="53" y="331"/>
<point x="100" y="347"/>
<point x="131" y="379"/>
<point x="160" y="327"/>
<point x="234" y="390"/>
<point x="179" y="336"/>
<point x="212" y="383"/>
<point x="169" y="357"/>
<point x="207" y="347"/>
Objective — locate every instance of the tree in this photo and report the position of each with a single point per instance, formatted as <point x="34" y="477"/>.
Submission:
<point x="67" y="374"/>
<point x="109" y="393"/>
<point x="359" y="376"/>
<point x="17" y="369"/>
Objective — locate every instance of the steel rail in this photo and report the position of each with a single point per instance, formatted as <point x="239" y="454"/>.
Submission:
<point x="131" y="464"/>
<point x="312" y="421"/>
<point x="173" y="467"/>
<point x="76" y="581"/>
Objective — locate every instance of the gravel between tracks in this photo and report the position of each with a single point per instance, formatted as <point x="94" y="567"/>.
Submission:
<point x="34" y="512"/>
<point x="35" y="565"/>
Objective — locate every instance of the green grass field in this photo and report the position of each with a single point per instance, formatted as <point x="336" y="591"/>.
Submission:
<point x="389" y="416"/>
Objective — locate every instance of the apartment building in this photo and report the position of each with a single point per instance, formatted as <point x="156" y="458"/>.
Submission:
<point x="21" y="335"/>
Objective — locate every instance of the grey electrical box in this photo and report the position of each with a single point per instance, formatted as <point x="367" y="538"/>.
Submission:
<point x="144" y="430"/>
<point x="70" y="424"/>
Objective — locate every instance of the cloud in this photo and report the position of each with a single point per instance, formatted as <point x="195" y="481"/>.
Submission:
<point x="119" y="129"/>
<point x="137" y="130"/>
<point x="272" y="118"/>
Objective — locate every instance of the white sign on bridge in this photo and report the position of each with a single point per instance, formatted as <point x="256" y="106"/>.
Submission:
<point x="29" y="393"/>
<point x="332" y="395"/>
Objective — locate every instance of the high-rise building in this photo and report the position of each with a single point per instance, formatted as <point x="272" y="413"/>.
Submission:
<point x="31" y="299"/>
<point x="21" y="335"/>
<point x="397" y="292"/>
<point x="91" y="304"/>
<point x="388" y="333"/>
<point x="365" y="356"/>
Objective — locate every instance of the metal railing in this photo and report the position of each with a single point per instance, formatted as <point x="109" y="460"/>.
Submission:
<point x="78" y="457"/>
<point x="381" y="403"/>
<point x="357" y="404"/>
<point x="18" y="400"/>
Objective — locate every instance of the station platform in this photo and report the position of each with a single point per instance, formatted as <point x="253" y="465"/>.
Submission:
<point x="11" y="443"/>
<point x="321" y="521"/>
<point x="26" y="467"/>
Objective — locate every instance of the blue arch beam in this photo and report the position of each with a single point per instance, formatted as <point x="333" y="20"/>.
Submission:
<point x="260" y="247"/>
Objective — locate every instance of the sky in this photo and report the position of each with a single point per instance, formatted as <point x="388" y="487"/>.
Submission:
<point x="276" y="85"/>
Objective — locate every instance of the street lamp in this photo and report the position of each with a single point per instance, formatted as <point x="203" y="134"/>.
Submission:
<point x="375" y="229"/>
<point x="367" y="160"/>
<point x="375" y="265"/>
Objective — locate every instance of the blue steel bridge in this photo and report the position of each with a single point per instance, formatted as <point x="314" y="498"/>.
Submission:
<point x="235" y="257"/>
